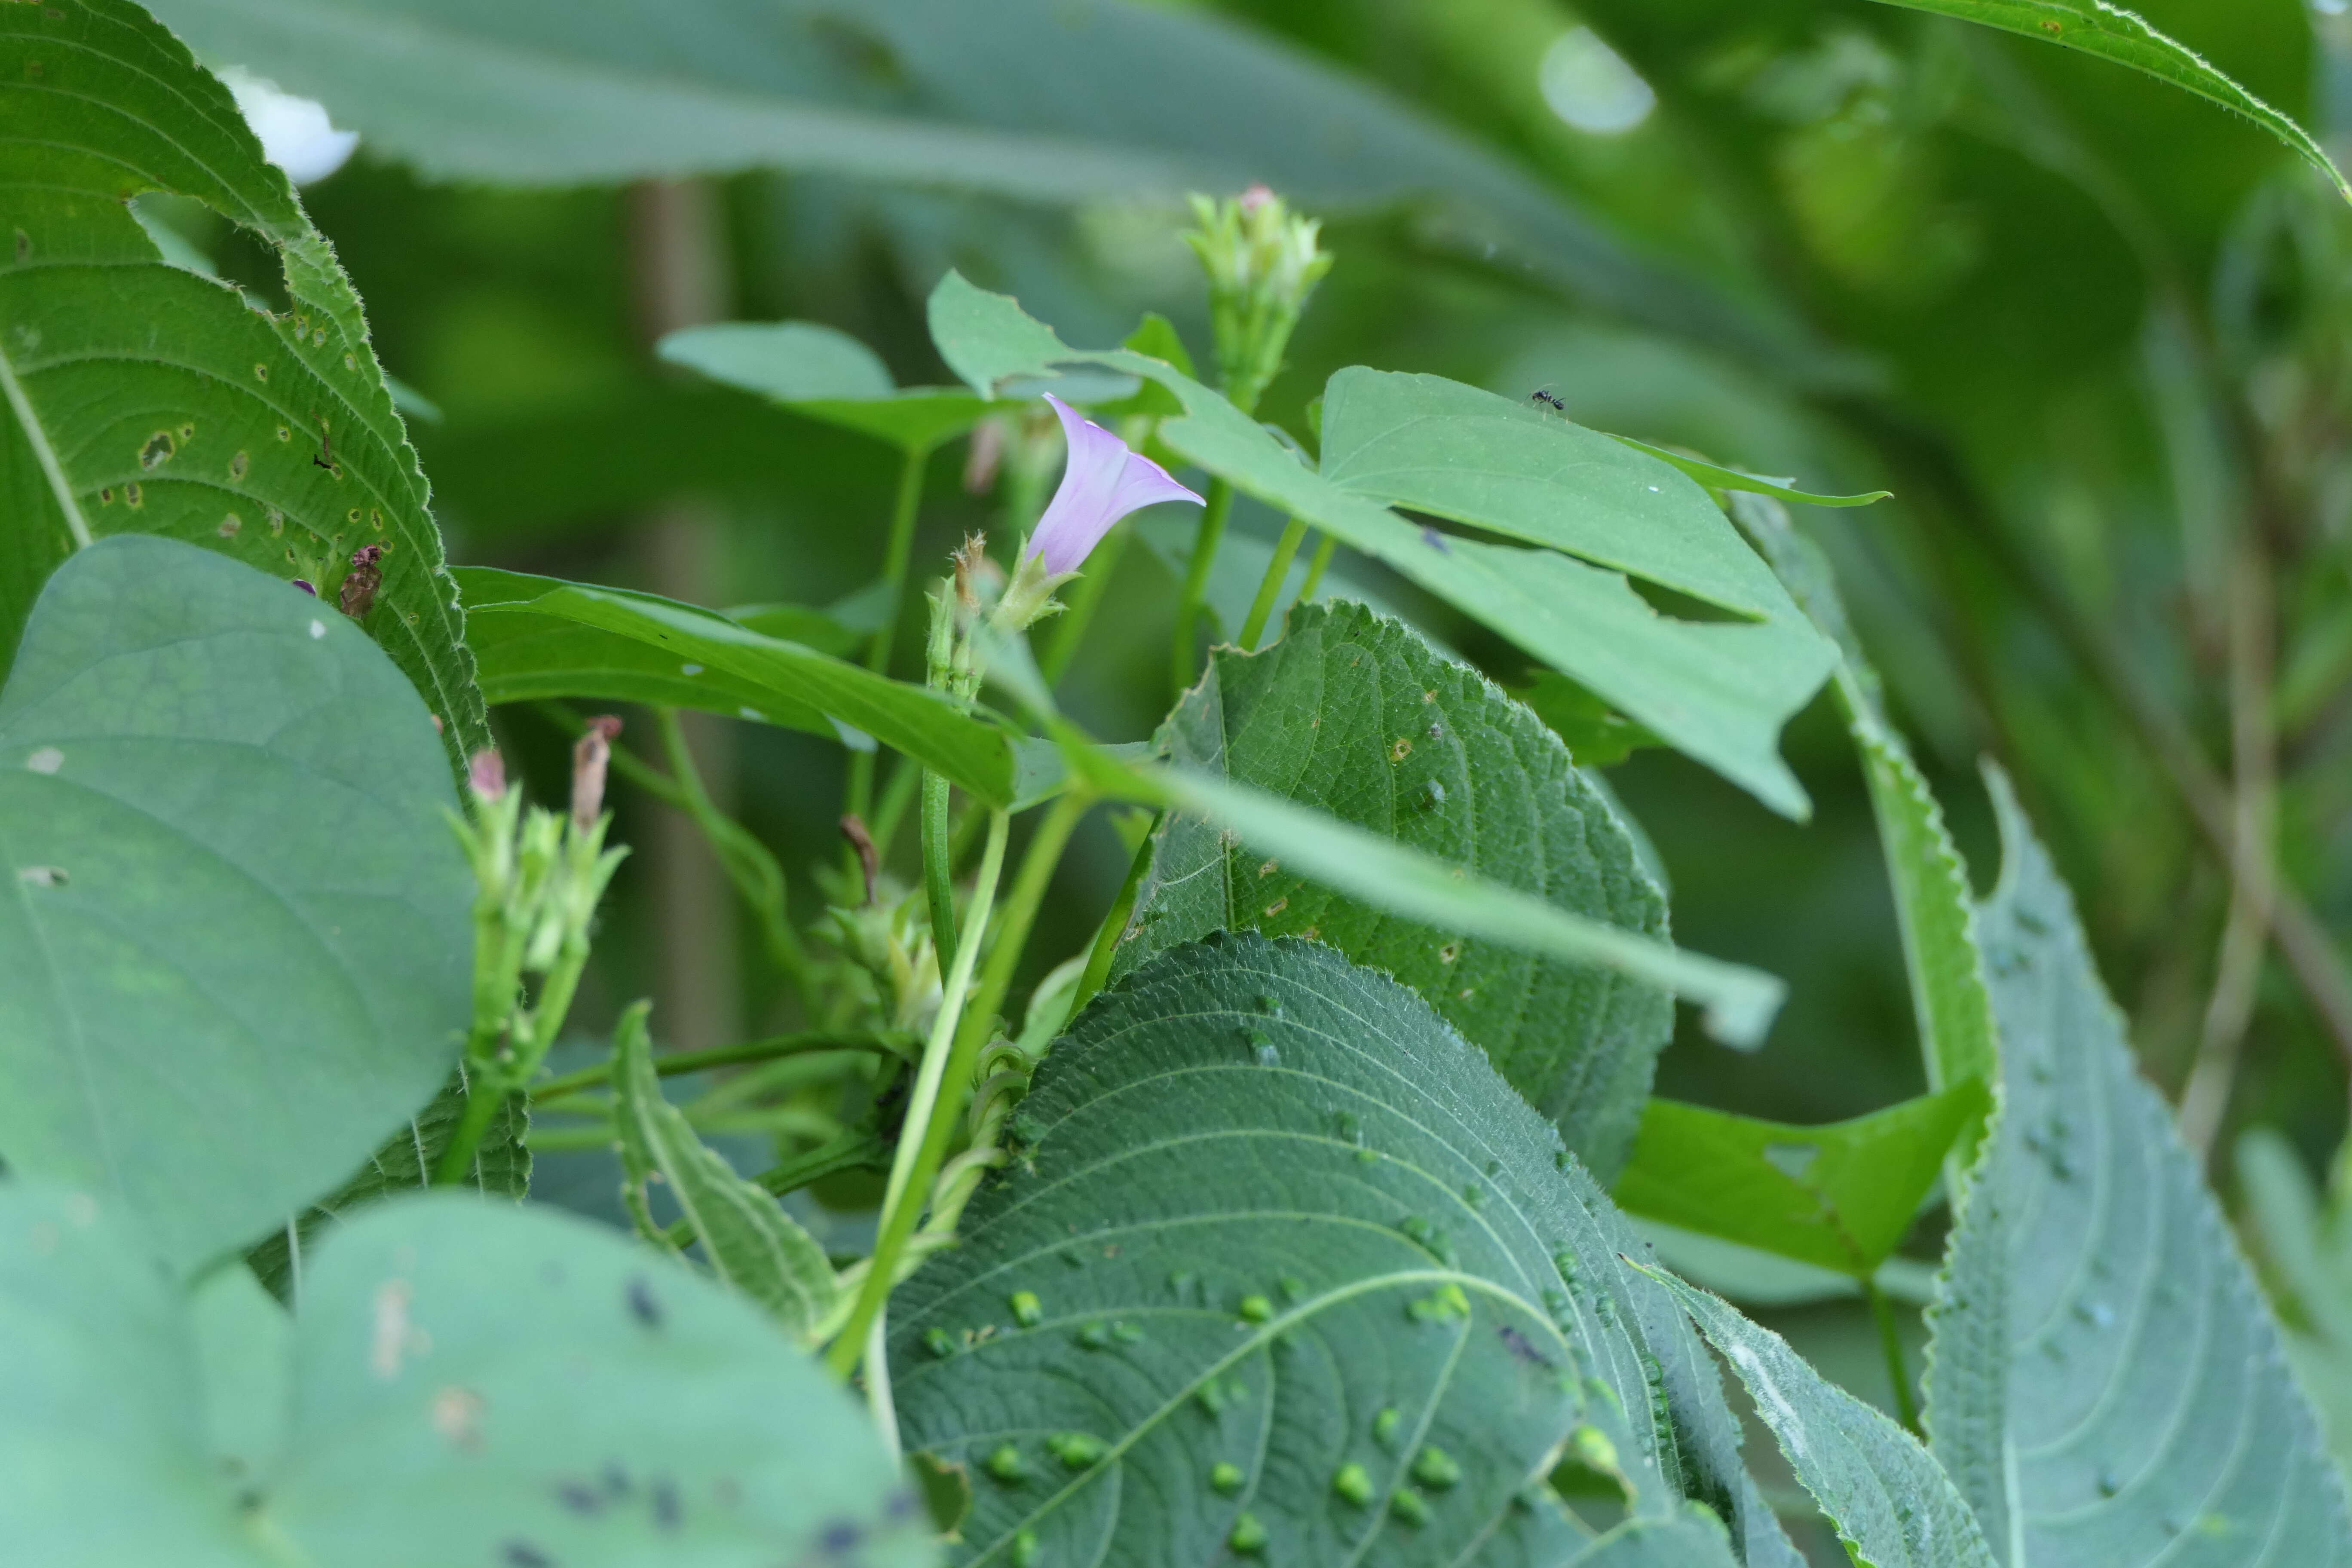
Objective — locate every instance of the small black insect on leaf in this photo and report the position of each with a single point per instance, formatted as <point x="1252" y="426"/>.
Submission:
<point x="361" y="582"/>
<point x="1544" y="394"/>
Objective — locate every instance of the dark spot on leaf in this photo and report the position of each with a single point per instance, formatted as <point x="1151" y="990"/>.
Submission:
<point x="1435" y="539"/>
<point x="842" y="1535"/>
<point x="523" y="1554"/>
<point x="580" y="1497"/>
<point x="157" y="451"/>
<point x="666" y="1508"/>
<point x="643" y="1306"/>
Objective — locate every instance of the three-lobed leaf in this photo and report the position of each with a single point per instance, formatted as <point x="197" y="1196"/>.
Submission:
<point x="1356" y="715"/>
<point x="144" y="398"/>
<point x="468" y="1382"/>
<point x="235" y="944"/>
<point x="1719" y="691"/>
<point x="2106" y="1383"/>
<point x="1279" y="1253"/>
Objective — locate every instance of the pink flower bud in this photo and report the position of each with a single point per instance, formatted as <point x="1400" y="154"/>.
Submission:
<point x="486" y="771"/>
<point x="591" y="757"/>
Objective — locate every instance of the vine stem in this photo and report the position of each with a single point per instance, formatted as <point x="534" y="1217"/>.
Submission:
<point x="671" y="1063"/>
<point x="1890" y="1340"/>
<point x="904" y="1194"/>
<point x="1196" y="581"/>
<point x="1269" y="587"/>
<point x="1038" y="864"/>
<point x="904" y="506"/>
<point x="1317" y="567"/>
<point x="939" y="862"/>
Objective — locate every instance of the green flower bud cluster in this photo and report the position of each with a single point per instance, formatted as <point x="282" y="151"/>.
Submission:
<point x="1263" y="263"/>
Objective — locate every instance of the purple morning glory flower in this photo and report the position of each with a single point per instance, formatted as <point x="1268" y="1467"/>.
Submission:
<point x="1102" y="483"/>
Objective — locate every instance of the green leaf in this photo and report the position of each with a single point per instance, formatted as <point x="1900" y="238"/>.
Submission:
<point x="1716" y="478"/>
<point x="243" y="1339"/>
<point x="405" y="1162"/>
<point x="141" y="397"/>
<point x="2112" y="33"/>
<point x="471" y="1383"/>
<point x="720" y="663"/>
<point x="1355" y="715"/>
<point x="1269" y="1219"/>
<point x="826" y="374"/>
<point x="1840" y="1196"/>
<point x="1594" y="735"/>
<point x="754" y="1248"/>
<point x="2105" y="1382"/>
<point x="1933" y="904"/>
<point x="2308" y="1243"/>
<point x="1718" y="692"/>
<point x="1023" y="98"/>
<point x="1892" y="1505"/>
<point x="235" y="946"/>
<point x="1692" y="1539"/>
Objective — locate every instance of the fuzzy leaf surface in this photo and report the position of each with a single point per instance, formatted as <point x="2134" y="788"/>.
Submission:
<point x="1262" y="1198"/>
<point x="1356" y="715"/>
<point x="144" y="398"/>
<point x="2106" y="1383"/>
<point x="235" y="939"/>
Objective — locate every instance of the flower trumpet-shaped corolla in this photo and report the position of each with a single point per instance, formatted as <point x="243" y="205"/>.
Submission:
<point x="1102" y="483"/>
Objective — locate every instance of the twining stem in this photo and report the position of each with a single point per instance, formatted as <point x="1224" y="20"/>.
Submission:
<point x="1080" y="604"/>
<point x="1113" y="925"/>
<point x="906" y="777"/>
<point x="895" y="557"/>
<point x="1269" y="588"/>
<point x="1196" y="582"/>
<point x="1038" y="864"/>
<point x="939" y="862"/>
<point x="1890" y="1340"/>
<point x="671" y="1064"/>
<point x="1317" y="566"/>
<point x="909" y="1173"/>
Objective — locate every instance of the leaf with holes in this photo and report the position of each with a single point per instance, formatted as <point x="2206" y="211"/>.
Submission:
<point x="144" y="398"/>
<point x="2105" y="1383"/>
<point x="1356" y="715"/>
<point x="1840" y="1196"/>
<point x="1719" y="691"/>
<point x="755" y="1248"/>
<point x="405" y="1162"/>
<point x="235" y="944"/>
<point x="470" y="1382"/>
<point x="1280" y="1259"/>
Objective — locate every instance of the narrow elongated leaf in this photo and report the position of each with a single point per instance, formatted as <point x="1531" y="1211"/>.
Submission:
<point x="827" y="374"/>
<point x="1840" y="1196"/>
<point x="1026" y="97"/>
<point x="1718" y="692"/>
<point x="471" y="1383"/>
<point x="1892" y="1504"/>
<point x="754" y="1248"/>
<point x="406" y="1163"/>
<point x="2107" y="1384"/>
<point x="1279" y="1246"/>
<point x="788" y="684"/>
<point x="1716" y="478"/>
<point x="1355" y="715"/>
<point x="141" y="397"/>
<point x="2112" y="33"/>
<point x="235" y="951"/>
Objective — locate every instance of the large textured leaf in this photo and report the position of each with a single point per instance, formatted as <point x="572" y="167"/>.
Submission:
<point x="2107" y="1384"/>
<point x="2112" y="33"/>
<point x="1028" y="98"/>
<point x="1716" y="691"/>
<point x="471" y="1383"/>
<point x="786" y="683"/>
<point x="1892" y="1504"/>
<point x="1838" y="1196"/>
<point x="2306" y="1239"/>
<point x="234" y="940"/>
<point x="405" y="1162"/>
<point x="141" y="397"/>
<point x="1356" y="715"/>
<point x="827" y="374"/>
<point x="754" y="1248"/>
<point x="1281" y="1258"/>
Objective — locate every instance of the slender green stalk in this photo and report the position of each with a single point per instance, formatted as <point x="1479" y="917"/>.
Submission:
<point x="1037" y="866"/>
<point x="909" y="1176"/>
<point x="481" y="1105"/>
<point x="895" y="554"/>
<point x="1122" y="908"/>
<point x="906" y="777"/>
<point x="1196" y="582"/>
<point x="1890" y="1340"/>
<point x="757" y="874"/>
<point x="1082" y="600"/>
<point x="674" y="1063"/>
<point x="879" y="1403"/>
<point x="1269" y="587"/>
<point x="939" y="862"/>
<point x="1317" y="566"/>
